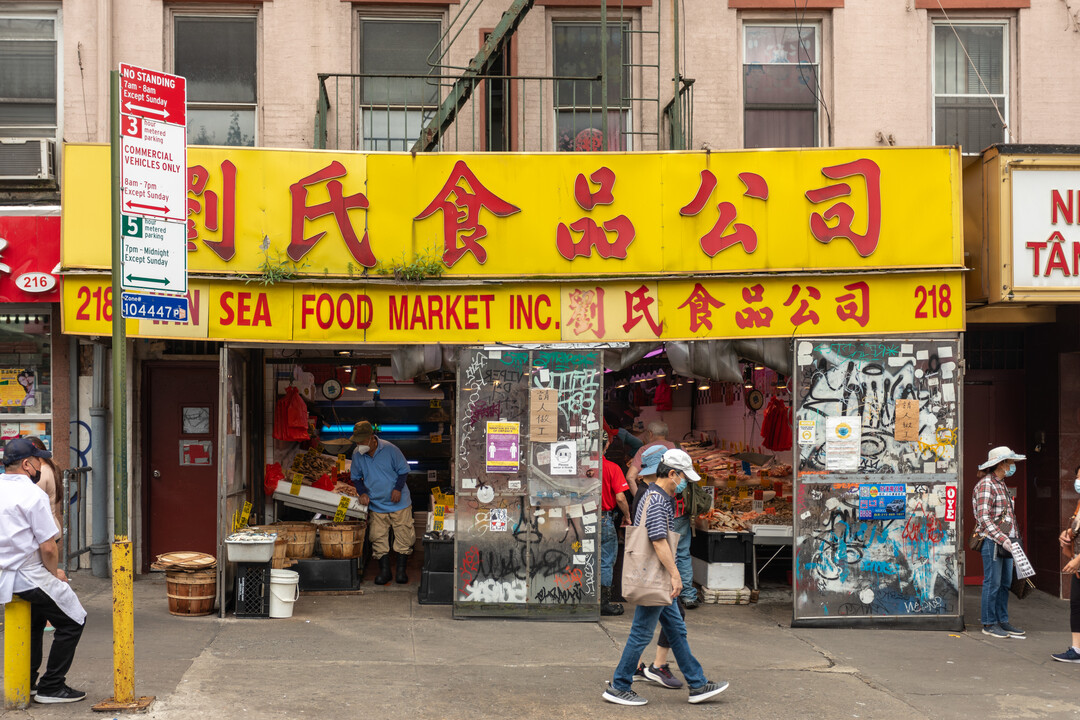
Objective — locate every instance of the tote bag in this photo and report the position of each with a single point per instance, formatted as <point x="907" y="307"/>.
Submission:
<point x="645" y="581"/>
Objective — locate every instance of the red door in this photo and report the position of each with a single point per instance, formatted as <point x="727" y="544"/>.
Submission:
<point x="180" y="458"/>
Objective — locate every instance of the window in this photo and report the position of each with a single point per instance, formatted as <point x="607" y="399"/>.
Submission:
<point x="25" y="375"/>
<point x="968" y="85"/>
<point x="218" y="56"/>
<point x="579" y="122"/>
<point x="395" y="109"/>
<point x="781" y="85"/>
<point x="28" y="75"/>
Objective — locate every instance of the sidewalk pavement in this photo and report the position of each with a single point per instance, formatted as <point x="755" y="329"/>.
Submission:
<point x="383" y="655"/>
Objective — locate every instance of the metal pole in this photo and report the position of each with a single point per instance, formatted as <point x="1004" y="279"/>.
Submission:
<point x="123" y="616"/>
<point x="99" y="475"/>
<point x="604" y="125"/>
<point x="676" y="104"/>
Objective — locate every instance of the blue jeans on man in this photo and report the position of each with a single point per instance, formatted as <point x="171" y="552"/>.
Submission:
<point x="997" y="579"/>
<point x="641" y="634"/>
<point x="682" y="558"/>
<point x="609" y="549"/>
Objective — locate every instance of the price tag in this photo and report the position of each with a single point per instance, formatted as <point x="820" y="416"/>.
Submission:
<point x="236" y="521"/>
<point x="342" y="507"/>
<point x="759" y="495"/>
<point x="297" y="481"/>
<point x="341" y="462"/>
<point x="765" y="481"/>
<point x="758" y="506"/>
<point x="435" y="403"/>
<point x="438" y="495"/>
<point x="435" y="437"/>
<point x="743" y="494"/>
<point x="732" y="482"/>
<point x="770" y="511"/>
<point x="245" y="515"/>
<point x="440" y="511"/>
<point x="725" y="501"/>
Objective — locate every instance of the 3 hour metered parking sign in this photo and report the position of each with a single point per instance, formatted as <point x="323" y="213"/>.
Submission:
<point x="153" y="180"/>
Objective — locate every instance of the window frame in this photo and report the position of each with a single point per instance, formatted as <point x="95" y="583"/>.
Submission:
<point x="208" y="13"/>
<point x="628" y="135"/>
<point x="54" y="13"/>
<point x="363" y="15"/>
<point x="1006" y="69"/>
<point x="818" y="24"/>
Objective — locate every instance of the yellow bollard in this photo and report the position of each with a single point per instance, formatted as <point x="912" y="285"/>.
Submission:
<point x="16" y="654"/>
<point x="123" y="623"/>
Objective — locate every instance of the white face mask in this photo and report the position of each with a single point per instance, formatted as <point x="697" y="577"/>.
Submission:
<point x="362" y="449"/>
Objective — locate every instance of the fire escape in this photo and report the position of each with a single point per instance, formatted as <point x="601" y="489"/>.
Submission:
<point x="612" y="100"/>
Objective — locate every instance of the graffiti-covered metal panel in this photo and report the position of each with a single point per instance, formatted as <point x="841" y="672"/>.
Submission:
<point x="877" y="482"/>
<point x="527" y="475"/>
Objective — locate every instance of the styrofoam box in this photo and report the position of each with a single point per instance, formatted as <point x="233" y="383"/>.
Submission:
<point x="256" y="552"/>
<point x="719" y="576"/>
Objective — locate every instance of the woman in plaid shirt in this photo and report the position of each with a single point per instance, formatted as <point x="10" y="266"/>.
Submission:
<point x="995" y="520"/>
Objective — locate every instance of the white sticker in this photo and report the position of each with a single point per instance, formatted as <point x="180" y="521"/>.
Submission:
<point x="555" y="512"/>
<point x="537" y="512"/>
<point x="574" y="511"/>
<point x="589" y="519"/>
<point x="544" y="375"/>
<point x="564" y="458"/>
<point x="590" y="529"/>
<point x="574" y="430"/>
<point x="485" y="494"/>
<point x="933" y="381"/>
<point x="581" y="559"/>
<point x="806" y="351"/>
<point x="922" y="355"/>
<point x="592" y="426"/>
<point x="832" y="503"/>
<point x="468" y="483"/>
<point x="944" y="351"/>
<point x="588" y="546"/>
<point x="805" y="515"/>
<point x="898" y="361"/>
<point x="929" y="468"/>
<point x="906" y="348"/>
<point x="948" y="394"/>
<point x="543" y="457"/>
<point x="943" y="464"/>
<point x="807" y="432"/>
<point x="497" y="520"/>
<point x="514" y="484"/>
<point x="589" y="506"/>
<point x="495" y="354"/>
<point x="946" y="373"/>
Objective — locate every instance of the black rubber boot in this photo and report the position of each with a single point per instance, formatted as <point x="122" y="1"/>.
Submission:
<point x="606" y="606"/>
<point x="402" y="575"/>
<point x="384" y="577"/>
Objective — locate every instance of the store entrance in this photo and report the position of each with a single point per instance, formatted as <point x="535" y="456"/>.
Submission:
<point x="179" y="417"/>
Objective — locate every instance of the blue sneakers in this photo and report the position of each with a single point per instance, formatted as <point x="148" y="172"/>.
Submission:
<point x="995" y="631"/>
<point x="1069" y="655"/>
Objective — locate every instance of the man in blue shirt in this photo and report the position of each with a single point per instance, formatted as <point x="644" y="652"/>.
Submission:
<point x="379" y="472"/>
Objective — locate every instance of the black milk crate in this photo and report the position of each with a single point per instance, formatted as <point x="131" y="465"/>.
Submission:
<point x="252" y="590"/>
<point x="439" y="555"/>
<point x="436" y="588"/>
<point x="723" y="547"/>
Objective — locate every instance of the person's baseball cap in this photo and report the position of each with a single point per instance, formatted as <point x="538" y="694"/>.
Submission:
<point x="679" y="460"/>
<point x="19" y="449"/>
<point x="650" y="459"/>
<point x="362" y="432"/>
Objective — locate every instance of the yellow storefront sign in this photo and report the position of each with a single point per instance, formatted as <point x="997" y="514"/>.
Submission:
<point x="673" y="309"/>
<point x="261" y="212"/>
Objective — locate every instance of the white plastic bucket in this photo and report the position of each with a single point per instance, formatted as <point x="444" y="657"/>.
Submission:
<point x="284" y="591"/>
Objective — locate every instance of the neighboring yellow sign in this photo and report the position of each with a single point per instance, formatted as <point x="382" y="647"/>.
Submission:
<point x="319" y="214"/>
<point x="773" y="306"/>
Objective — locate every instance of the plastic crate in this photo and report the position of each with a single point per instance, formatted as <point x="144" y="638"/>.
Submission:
<point x="253" y="590"/>
<point x="328" y="574"/>
<point x="436" y="588"/>
<point x="722" y="547"/>
<point x="439" y="555"/>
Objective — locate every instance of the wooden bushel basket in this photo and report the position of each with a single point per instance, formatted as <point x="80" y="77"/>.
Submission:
<point x="191" y="593"/>
<point x="342" y="540"/>
<point x="299" y="538"/>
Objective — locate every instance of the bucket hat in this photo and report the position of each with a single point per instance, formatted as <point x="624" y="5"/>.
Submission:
<point x="999" y="455"/>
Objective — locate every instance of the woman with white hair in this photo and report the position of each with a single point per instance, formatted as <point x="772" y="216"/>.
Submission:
<point x="995" y="521"/>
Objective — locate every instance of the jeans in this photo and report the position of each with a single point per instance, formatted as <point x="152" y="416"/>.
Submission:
<point x="682" y="558"/>
<point x="641" y="634"/>
<point x="609" y="549"/>
<point x="997" y="578"/>
<point x="65" y="639"/>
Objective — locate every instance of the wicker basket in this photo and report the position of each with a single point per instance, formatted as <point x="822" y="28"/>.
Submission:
<point x="281" y="544"/>
<point x="299" y="538"/>
<point x="342" y="540"/>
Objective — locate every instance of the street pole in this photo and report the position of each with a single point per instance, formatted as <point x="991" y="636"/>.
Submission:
<point x="122" y="570"/>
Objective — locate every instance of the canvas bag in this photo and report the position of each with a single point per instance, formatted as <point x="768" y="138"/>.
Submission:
<point x="645" y="581"/>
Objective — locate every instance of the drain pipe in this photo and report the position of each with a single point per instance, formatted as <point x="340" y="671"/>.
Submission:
<point x="99" y="436"/>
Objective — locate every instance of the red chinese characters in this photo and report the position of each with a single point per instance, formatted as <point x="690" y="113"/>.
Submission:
<point x="337" y="205"/>
<point x="855" y="304"/>
<point x="804" y="314"/>
<point x="751" y="317"/>
<point x="638" y="308"/>
<point x="460" y="200"/>
<point x="592" y="236"/>
<point x="719" y="238"/>
<point x="701" y="304"/>
<point x="215" y="215"/>
<point x="865" y="243"/>
<point x="586" y="312"/>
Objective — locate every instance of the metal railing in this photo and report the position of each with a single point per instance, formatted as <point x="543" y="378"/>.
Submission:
<point x="679" y="117"/>
<point x="504" y="113"/>
<point x="74" y="538"/>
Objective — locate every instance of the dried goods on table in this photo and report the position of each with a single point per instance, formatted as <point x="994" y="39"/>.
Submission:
<point x="312" y="465"/>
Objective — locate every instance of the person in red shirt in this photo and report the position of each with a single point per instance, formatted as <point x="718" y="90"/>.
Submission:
<point x="612" y="500"/>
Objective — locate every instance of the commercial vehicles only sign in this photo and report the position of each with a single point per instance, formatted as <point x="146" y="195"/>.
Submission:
<point x="153" y="179"/>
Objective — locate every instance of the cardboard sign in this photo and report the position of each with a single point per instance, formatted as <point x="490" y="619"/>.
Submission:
<point x="543" y="415"/>
<point x="907" y="420"/>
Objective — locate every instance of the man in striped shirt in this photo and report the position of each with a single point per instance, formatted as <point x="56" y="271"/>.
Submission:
<point x="656" y="512"/>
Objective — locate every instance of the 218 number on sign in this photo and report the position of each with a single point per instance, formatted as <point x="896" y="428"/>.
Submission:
<point x="99" y="301"/>
<point x="939" y="298"/>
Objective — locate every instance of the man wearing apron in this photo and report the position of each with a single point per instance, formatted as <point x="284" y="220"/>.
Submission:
<point x="28" y="568"/>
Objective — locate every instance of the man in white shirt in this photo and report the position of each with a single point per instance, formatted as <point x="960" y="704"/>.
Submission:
<point x="29" y="560"/>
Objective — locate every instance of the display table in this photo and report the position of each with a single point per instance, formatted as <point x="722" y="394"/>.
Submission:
<point x="771" y="536"/>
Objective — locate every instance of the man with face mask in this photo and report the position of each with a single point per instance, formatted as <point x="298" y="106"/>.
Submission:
<point x="380" y="472"/>
<point x="656" y="513"/>
<point x="29" y="568"/>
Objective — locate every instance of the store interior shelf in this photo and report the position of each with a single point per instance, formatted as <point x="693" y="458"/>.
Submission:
<point x="315" y="500"/>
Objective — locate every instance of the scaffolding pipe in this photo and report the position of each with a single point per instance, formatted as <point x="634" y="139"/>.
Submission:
<point x="99" y="478"/>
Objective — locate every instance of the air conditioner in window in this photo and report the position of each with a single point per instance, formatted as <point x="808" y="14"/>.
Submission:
<point x="28" y="159"/>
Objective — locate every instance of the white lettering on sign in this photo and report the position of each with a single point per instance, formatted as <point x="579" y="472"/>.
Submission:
<point x="1046" y="228"/>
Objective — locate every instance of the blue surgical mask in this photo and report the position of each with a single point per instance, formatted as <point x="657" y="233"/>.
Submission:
<point x="681" y="486"/>
<point x="1076" y="485"/>
<point x="1011" y="471"/>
